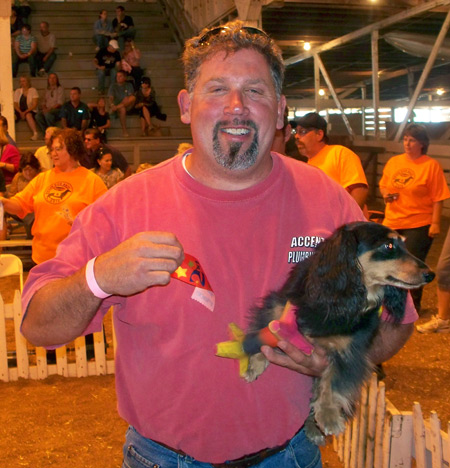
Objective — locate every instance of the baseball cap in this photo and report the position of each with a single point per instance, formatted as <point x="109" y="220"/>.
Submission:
<point x="313" y="120"/>
<point x="113" y="43"/>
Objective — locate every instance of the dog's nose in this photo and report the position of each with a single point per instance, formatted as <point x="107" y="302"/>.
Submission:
<point x="428" y="277"/>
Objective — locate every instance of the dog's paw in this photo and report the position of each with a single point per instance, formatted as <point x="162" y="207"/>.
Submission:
<point x="330" y="420"/>
<point x="256" y="366"/>
<point x="313" y="432"/>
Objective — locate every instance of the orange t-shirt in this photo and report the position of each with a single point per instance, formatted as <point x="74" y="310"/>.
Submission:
<point x="341" y="164"/>
<point x="56" y="198"/>
<point x="419" y="183"/>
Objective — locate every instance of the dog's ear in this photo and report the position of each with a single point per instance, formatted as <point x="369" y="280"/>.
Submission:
<point x="337" y="274"/>
<point x="395" y="301"/>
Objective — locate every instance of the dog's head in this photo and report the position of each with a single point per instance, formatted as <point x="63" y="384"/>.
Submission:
<point x="359" y="266"/>
<point x="384" y="259"/>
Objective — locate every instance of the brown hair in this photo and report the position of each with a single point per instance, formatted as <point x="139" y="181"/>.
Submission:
<point x="419" y="132"/>
<point x="230" y="38"/>
<point x="73" y="142"/>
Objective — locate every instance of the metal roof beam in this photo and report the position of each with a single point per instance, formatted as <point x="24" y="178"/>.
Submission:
<point x="367" y="30"/>
<point x="425" y="73"/>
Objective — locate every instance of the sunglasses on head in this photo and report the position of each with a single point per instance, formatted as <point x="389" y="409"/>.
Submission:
<point x="204" y="40"/>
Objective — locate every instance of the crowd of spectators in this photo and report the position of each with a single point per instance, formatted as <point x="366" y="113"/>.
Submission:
<point x="122" y="86"/>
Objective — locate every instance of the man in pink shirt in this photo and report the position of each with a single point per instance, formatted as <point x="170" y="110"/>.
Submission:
<point x="243" y="216"/>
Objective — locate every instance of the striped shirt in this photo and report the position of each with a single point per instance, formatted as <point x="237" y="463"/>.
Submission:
<point x="25" y="43"/>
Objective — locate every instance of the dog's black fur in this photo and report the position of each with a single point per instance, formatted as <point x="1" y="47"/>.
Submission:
<point x="338" y="292"/>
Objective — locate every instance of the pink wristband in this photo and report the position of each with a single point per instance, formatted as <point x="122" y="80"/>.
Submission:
<point x="96" y="290"/>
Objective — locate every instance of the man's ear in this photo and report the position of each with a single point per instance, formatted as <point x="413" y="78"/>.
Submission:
<point x="280" y="116"/>
<point x="184" y="103"/>
<point x="287" y="132"/>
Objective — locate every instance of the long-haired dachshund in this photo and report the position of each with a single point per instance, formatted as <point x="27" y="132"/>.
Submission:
<point x="337" y="293"/>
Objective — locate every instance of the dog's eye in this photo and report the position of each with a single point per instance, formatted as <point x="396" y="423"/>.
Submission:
<point x="389" y="246"/>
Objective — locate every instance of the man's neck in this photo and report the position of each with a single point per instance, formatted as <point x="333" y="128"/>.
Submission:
<point x="316" y="150"/>
<point x="221" y="178"/>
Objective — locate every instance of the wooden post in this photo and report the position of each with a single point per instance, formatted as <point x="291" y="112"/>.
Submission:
<point x="419" y="437"/>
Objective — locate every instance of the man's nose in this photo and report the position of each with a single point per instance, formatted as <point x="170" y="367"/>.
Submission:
<point x="236" y="103"/>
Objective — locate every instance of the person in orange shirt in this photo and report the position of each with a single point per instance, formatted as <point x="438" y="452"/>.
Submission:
<point x="58" y="195"/>
<point x="413" y="186"/>
<point x="338" y="162"/>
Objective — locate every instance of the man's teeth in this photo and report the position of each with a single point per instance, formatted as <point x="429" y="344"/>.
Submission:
<point x="236" y="131"/>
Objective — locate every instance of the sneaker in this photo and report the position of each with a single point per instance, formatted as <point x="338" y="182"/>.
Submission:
<point x="41" y="72"/>
<point x="435" y="325"/>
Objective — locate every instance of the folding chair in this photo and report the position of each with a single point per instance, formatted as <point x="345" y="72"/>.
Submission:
<point x="11" y="265"/>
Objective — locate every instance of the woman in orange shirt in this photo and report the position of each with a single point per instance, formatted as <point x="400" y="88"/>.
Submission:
<point x="58" y="195"/>
<point x="414" y="188"/>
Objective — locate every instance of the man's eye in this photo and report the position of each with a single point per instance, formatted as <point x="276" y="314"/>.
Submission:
<point x="389" y="246"/>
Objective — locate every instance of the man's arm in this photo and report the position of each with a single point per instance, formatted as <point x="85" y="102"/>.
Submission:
<point x="360" y="195"/>
<point x="61" y="310"/>
<point x="387" y="342"/>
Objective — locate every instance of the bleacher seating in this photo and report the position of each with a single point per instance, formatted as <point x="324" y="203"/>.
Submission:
<point x="72" y="23"/>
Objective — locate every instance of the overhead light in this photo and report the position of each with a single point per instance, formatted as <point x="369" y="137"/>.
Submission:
<point x="440" y="91"/>
<point x="321" y="92"/>
<point x="307" y="46"/>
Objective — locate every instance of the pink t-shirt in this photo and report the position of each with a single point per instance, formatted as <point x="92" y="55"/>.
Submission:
<point x="170" y="385"/>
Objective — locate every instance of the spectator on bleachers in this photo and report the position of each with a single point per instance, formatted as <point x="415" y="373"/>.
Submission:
<point x="148" y="108"/>
<point x="100" y="118"/>
<point x="51" y="106"/>
<point x="25" y="48"/>
<point x="10" y="157"/>
<point x="16" y="23"/>
<point x="23" y="9"/>
<point x="43" y="153"/>
<point x="122" y="99"/>
<point x="29" y="168"/>
<point x="105" y="169"/>
<point x="75" y="113"/>
<point x="123" y="26"/>
<point x="68" y="189"/>
<point x="46" y="45"/>
<point x="103" y="30"/>
<point x="131" y="62"/>
<point x="4" y="124"/>
<point x="26" y="99"/>
<point x="92" y="142"/>
<point x="107" y="62"/>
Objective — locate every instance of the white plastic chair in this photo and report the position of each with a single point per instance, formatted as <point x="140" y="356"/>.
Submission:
<point x="11" y="265"/>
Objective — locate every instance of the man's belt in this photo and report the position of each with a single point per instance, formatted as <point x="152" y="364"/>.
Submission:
<point x="243" y="462"/>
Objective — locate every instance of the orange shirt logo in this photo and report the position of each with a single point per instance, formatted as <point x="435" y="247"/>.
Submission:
<point x="58" y="193"/>
<point x="403" y="177"/>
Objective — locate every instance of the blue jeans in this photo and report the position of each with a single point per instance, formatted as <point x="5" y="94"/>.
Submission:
<point x="139" y="452"/>
<point x="418" y="242"/>
<point x="45" y="65"/>
<point x="47" y="119"/>
<point x="102" y="74"/>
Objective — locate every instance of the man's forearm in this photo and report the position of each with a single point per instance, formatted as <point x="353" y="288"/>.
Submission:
<point x="60" y="311"/>
<point x="389" y="340"/>
<point x="360" y="195"/>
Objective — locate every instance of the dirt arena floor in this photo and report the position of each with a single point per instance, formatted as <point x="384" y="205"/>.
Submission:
<point x="73" y="423"/>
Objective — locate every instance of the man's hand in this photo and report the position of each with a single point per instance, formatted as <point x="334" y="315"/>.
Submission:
<point x="296" y="360"/>
<point x="146" y="259"/>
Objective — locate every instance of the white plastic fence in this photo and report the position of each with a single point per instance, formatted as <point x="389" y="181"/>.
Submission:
<point x="379" y="436"/>
<point x="19" y="359"/>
